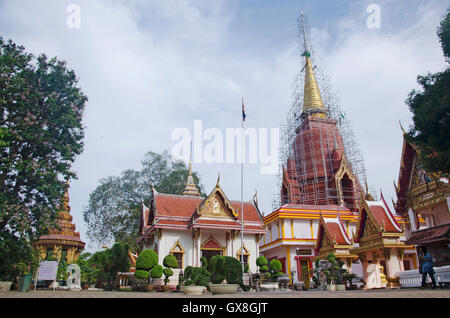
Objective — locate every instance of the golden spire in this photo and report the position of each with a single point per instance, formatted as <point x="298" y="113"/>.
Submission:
<point x="190" y="188"/>
<point x="312" y="99"/>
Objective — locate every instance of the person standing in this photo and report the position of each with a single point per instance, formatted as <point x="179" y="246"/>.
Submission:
<point x="427" y="268"/>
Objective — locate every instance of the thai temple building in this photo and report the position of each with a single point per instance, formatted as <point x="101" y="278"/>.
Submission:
<point x="62" y="241"/>
<point x="424" y="199"/>
<point x="190" y="227"/>
<point x="323" y="207"/>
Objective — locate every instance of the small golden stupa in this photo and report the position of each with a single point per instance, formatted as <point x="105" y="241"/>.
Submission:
<point x="63" y="240"/>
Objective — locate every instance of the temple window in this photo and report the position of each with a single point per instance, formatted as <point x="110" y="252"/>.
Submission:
<point x="246" y="255"/>
<point x="178" y="251"/>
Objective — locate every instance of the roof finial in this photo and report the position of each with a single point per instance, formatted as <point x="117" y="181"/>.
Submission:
<point x="218" y="179"/>
<point x="190" y="188"/>
<point x="312" y="100"/>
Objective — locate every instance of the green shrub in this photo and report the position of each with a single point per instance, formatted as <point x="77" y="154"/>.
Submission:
<point x="263" y="269"/>
<point x="216" y="267"/>
<point x="197" y="276"/>
<point x="156" y="272"/>
<point x="204" y="262"/>
<point x="233" y="270"/>
<point x="170" y="261"/>
<point x="167" y="273"/>
<point x="275" y="266"/>
<point x="146" y="260"/>
<point x="261" y="261"/>
<point x="141" y="274"/>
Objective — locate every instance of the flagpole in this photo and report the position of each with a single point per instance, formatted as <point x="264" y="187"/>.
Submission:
<point x="242" y="191"/>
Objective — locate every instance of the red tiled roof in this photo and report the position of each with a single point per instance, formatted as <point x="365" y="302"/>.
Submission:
<point x="382" y="218"/>
<point x="172" y="209"/>
<point x="336" y="233"/>
<point x="185" y="206"/>
<point x="176" y="205"/>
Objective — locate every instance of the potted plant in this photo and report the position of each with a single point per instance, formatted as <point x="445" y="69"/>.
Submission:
<point x="305" y="277"/>
<point x="268" y="274"/>
<point x="336" y="273"/>
<point x="195" y="280"/>
<point x="169" y="262"/>
<point x="219" y="283"/>
<point x="145" y="262"/>
<point x="348" y="278"/>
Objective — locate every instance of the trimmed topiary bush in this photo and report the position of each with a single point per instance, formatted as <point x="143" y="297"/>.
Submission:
<point x="156" y="272"/>
<point x="204" y="262"/>
<point x="196" y="276"/>
<point x="261" y="261"/>
<point x="170" y="261"/>
<point x="216" y="267"/>
<point x="275" y="266"/>
<point x="233" y="270"/>
<point x="146" y="260"/>
<point x="141" y="274"/>
<point x="167" y="273"/>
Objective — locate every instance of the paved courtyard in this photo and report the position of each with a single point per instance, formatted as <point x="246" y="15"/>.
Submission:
<point x="382" y="293"/>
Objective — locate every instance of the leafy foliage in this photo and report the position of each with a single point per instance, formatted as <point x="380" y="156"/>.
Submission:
<point x="156" y="272"/>
<point x="41" y="134"/>
<point x="216" y="267"/>
<point x="141" y="274"/>
<point x="146" y="260"/>
<point x="170" y="261"/>
<point x="197" y="276"/>
<point x="233" y="270"/>
<point x="114" y="209"/>
<point x="431" y="112"/>
<point x="261" y="261"/>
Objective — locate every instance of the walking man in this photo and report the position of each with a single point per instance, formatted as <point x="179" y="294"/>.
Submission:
<point x="427" y="268"/>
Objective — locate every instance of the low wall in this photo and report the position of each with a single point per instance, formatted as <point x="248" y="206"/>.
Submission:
<point x="413" y="278"/>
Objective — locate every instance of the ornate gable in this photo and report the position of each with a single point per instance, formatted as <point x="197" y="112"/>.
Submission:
<point x="216" y="205"/>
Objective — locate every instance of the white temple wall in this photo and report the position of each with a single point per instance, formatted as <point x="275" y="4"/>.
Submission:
<point x="169" y="239"/>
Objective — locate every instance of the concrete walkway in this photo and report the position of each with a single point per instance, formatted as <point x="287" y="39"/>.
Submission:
<point x="382" y="293"/>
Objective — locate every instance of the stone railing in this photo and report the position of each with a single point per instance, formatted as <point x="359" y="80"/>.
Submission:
<point x="413" y="278"/>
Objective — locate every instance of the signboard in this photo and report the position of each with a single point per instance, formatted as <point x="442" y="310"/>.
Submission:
<point x="304" y="252"/>
<point x="47" y="270"/>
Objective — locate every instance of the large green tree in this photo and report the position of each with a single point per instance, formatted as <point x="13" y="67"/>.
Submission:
<point x="431" y="112"/>
<point x="41" y="134"/>
<point x="114" y="208"/>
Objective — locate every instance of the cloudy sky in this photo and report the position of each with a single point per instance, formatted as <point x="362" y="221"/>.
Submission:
<point x="152" y="67"/>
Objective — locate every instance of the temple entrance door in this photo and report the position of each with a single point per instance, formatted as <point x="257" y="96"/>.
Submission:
<point x="301" y="263"/>
<point x="210" y="253"/>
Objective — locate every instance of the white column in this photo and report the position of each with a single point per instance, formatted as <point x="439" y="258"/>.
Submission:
<point x="412" y="220"/>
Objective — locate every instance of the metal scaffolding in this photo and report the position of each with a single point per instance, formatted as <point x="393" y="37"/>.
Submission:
<point x="306" y="156"/>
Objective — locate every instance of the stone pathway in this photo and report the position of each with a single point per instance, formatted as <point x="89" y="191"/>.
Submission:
<point x="382" y="293"/>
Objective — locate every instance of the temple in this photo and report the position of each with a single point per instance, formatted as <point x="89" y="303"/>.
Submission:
<point x="318" y="172"/>
<point x="381" y="246"/>
<point x="323" y="206"/>
<point x="424" y="198"/>
<point x="190" y="227"/>
<point x="62" y="240"/>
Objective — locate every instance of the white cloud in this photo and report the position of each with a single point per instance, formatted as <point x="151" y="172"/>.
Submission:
<point x="150" y="67"/>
